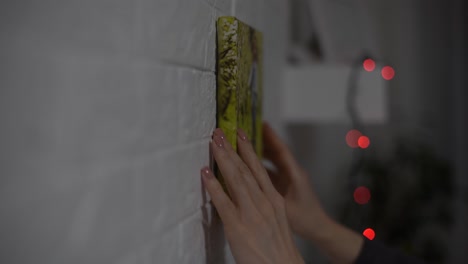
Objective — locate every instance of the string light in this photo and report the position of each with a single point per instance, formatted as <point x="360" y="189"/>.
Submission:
<point x="355" y="138"/>
<point x="362" y="195"/>
<point x="368" y="65"/>
<point x="388" y="73"/>
<point x="369" y="233"/>
<point x="352" y="138"/>
<point x="363" y="142"/>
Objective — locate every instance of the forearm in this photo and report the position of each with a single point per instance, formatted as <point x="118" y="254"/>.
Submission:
<point x="339" y="243"/>
<point x="345" y="246"/>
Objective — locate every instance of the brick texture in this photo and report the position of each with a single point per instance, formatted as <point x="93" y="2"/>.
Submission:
<point x="107" y="108"/>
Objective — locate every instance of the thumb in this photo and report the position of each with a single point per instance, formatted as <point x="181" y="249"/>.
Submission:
<point x="275" y="150"/>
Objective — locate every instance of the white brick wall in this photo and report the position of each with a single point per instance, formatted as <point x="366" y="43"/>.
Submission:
<point x="107" y="107"/>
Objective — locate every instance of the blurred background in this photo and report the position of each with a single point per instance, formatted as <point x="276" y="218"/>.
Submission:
<point x="107" y="108"/>
<point x="408" y="186"/>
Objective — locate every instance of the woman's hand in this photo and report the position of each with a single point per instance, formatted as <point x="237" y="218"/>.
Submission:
<point x="305" y="214"/>
<point x="254" y="218"/>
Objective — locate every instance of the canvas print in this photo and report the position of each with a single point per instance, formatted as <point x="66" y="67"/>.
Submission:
<point x="239" y="81"/>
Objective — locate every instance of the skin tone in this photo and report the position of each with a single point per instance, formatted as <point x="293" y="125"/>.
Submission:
<point x="254" y="218"/>
<point x="305" y="214"/>
<point x="265" y="205"/>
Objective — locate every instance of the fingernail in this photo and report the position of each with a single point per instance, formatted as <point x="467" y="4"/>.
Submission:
<point x="241" y="134"/>
<point x="206" y="173"/>
<point x="218" y="131"/>
<point x="218" y="141"/>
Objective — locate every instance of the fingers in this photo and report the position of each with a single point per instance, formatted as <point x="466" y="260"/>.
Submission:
<point x="248" y="155"/>
<point x="231" y="170"/>
<point x="246" y="179"/>
<point x="280" y="183"/>
<point x="276" y="151"/>
<point x="274" y="200"/>
<point x="221" y="201"/>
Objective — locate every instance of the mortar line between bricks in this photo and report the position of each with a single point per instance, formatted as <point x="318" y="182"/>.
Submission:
<point x="173" y="148"/>
<point x="168" y="228"/>
<point x="143" y="156"/>
<point x="215" y="7"/>
<point x="125" y="56"/>
<point x="184" y="66"/>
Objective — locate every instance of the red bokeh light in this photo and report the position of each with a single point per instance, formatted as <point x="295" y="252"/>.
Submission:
<point x="362" y="195"/>
<point x="363" y="142"/>
<point x="369" y="233"/>
<point x="369" y="65"/>
<point x="388" y="73"/>
<point x="352" y="138"/>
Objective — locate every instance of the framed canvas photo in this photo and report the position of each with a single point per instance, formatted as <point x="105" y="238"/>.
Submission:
<point x="239" y="81"/>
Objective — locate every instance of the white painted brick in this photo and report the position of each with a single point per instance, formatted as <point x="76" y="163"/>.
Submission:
<point x="45" y="181"/>
<point x="178" y="105"/>
<point x="31" y="108"/>
<point x="101" y="108"/>
<point x="196" y="105"/>
<point x="196" y="239"/>
<point x="103" y="224"/>
<point x="211" y="45"/>
<point x="176" y="31"/>
<point x="104" y="26"/>
<point x="164" y="249"/>
<point x="132" y="258"/>
<point x="34" y="216"/>
<point x="80" y="108"/>
<point x="192" y="244"/>
<point x="88" y="225"/>
<point x="89" y="88"/>
<point x="169" y="188"/>
<point x="159" y="86"/>
<point x="223" y="5"/>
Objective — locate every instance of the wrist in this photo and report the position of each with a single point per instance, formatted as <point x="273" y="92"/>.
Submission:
<point x="340" y="243"/>
<point x="322" y="229"/>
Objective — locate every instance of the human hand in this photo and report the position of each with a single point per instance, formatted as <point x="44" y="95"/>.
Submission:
<point x="255" y="220"/>
<point x="305" y="214"/>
